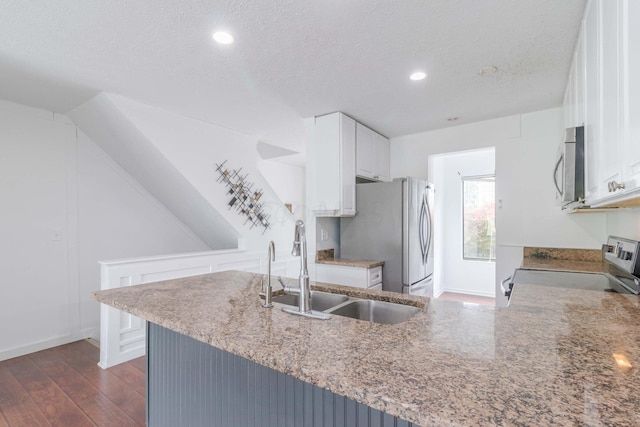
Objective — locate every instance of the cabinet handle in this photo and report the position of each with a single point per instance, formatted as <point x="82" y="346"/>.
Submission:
<point x="614" y="186"/>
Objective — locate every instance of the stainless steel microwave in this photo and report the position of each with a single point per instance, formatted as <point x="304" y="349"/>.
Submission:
<point x="568" y="175"/>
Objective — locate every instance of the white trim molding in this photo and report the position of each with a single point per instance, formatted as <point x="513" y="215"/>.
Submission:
<point x="122" y="335"/>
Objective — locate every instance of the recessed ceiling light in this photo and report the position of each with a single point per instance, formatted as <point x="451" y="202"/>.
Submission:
<point x="419" y="75"/>
<point x="487" y="71"/>
<point x="223" y="37"/>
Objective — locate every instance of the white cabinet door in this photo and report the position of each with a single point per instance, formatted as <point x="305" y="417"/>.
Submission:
<point x="333" y="169"/>
<point x="592" y="100"/>
<point x="610" y="83"/>
<point x="579" y="77"/>
<point x="631" y="85"/>
<point x="612" y="101"/>
<point x="380" y="158"/>
<point x="348" y="166"/>
<point x="372" y="154"/>
<point x="364" y="151"/>
<point x="567" y="105"/>
<point x="358" y="277"/>
<point x="573" y="102"/>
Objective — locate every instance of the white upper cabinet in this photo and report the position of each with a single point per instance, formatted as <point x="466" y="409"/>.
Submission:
<point x="611" y="65"/>
<point x="573" y="104"/>
<point x="364" y="151"/>
<point x="610" y="105"/>
<point x="372" y="154"/>
<point x="592" y="100"/>
<point x="631" y="92"/>
<point x="380" y="157"/>
<point x="332" y="159"/>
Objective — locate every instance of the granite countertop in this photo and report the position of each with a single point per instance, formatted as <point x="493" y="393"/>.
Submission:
<point x="327" y="256"/>
<point x="533" y="263"/>
<point x="546" y="359"/>
<point x="360" y="263"/>
<point x="562" y="259"/>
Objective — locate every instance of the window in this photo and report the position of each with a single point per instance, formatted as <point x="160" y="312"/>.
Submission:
<point x="478" y="217"/>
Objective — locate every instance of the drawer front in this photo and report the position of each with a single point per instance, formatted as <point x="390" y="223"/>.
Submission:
<point x="342" y="275"/>
<point x="374" y="276"/>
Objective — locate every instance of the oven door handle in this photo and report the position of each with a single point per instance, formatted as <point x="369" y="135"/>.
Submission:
<point x="506" y="292"/>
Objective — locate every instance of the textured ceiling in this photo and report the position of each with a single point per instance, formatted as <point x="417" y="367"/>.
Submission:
<point x="293" y="59"/>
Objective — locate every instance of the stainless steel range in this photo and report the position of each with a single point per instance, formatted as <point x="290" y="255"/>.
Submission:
<point x="622" y="258"/>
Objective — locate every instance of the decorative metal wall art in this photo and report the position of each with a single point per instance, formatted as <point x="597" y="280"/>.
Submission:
<point x="242" y="197"/>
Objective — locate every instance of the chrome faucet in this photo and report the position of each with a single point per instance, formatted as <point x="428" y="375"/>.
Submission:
<point x="304" y="289"/>
<point x="268" y="293"/>
<point x="300" y="249"/>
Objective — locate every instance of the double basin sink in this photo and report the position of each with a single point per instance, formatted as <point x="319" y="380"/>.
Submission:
<point x="363" y="309"/>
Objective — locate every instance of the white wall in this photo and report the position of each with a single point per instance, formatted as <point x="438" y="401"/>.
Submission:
<point x="525" y="146"/>
<point x="115" y="133"/>
<point x="193" y="147"/>
<point x="118" y="218"/>
<point x="65" y="206"/>
<point x="624" y="223"/>
<point x="331" y="228"/>
<point x="288" y="182"/>
<point x="458" y="274"/>
<point x="38" y="300"/>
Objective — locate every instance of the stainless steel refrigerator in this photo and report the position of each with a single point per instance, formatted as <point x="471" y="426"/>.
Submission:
<point x="394" y="223"/>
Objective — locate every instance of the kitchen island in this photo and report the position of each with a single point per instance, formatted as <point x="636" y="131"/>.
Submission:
<point x="552" y="357"/>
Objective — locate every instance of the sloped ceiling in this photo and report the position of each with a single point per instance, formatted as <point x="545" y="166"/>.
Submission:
<point x="293" y="59"/>
<point x="106" y="125"/>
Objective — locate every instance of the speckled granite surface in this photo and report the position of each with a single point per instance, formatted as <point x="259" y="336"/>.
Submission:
<point x="564" y="265"/>
<point x="361" y="263"/>
<point x="547" y="359"/>
<point x="587" y="260"/>
<point x="326" y="256"/>
<point x="563" y="253"/>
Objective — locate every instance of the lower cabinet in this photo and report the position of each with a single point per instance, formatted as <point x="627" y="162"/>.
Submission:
<point x="358" y="277"/>
<point x="190" y="383"/>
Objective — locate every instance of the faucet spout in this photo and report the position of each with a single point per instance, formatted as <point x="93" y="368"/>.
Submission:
<point x="304" y="293"/>
<point x="268" y="293"/>
<point x="298" y="235"/>
<point x="296" y="249"/>
<point x="271" y="254"/>
<point x="300" y="246"/>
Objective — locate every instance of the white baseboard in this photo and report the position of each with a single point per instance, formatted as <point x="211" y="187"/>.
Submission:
<point x="468" y="292"/>
<point x="43" y="345"/>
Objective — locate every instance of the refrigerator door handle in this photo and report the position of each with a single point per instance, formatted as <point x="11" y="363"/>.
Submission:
<point x="421" y="227"/>
<point x="429" y="225"/>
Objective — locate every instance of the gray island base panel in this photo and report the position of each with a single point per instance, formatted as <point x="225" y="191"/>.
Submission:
<point x="190" y="383"/>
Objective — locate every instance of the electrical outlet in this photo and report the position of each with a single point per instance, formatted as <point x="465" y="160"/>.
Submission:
<point x="323" y="234"/>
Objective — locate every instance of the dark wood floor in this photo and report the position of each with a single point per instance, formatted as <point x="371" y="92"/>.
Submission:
<point x="64" y="386"/>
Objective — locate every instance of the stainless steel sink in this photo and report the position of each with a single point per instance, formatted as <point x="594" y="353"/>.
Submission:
<point x="376" y="311"/>
<point x="320" y="301"/>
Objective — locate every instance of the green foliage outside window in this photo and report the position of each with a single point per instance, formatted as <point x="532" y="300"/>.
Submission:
<point x="479" y="229"/>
